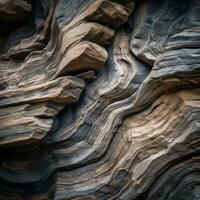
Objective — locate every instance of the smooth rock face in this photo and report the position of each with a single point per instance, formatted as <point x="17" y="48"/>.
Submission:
<point x="99" y="99"/>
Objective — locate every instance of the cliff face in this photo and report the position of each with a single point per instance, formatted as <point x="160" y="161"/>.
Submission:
<point x="99" y="99"/>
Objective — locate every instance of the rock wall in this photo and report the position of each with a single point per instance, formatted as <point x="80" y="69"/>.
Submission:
<point x="99" y="99"/>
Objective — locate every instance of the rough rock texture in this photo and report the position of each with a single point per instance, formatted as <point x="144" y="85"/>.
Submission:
<point x="99" y="99"/>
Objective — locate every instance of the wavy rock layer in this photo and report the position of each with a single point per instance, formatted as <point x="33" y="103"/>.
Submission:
<point x="99" y="100"/>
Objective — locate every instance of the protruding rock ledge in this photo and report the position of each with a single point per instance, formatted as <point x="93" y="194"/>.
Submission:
<point x="81" y="57"/>
<point x="89" y="31"/>
<point x="107" y="12"/>
<point x="26" y="123"/>
<point x="61" y="90"/>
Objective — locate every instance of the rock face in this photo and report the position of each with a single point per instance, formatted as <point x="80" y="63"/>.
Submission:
<point x="99" y="99"/>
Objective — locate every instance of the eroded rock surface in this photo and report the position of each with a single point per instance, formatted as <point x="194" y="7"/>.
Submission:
<point x="99" y="100"/>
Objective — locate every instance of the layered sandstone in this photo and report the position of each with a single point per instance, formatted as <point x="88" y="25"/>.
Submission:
<point x="99" y="100"/>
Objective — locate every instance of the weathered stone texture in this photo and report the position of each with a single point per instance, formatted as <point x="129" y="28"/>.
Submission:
<point x="99" y="99"/>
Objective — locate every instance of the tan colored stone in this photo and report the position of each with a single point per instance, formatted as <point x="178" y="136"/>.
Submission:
<point x="105" y="12"/>
<point x="83" y="56"/>
<point x="26" y="123"/>
<point x="63" y="90"/>
<point x="87" y="31"/>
